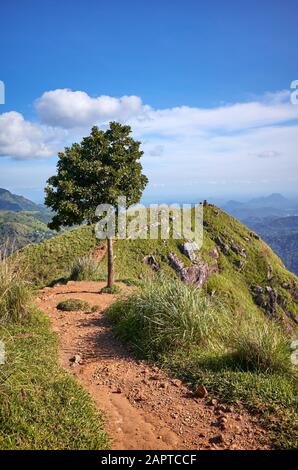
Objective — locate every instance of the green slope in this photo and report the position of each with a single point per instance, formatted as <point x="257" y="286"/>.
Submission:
<point x="243" y="283"/>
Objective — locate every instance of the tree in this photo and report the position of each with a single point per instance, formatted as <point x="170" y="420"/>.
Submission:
<point x="104" y="166"/>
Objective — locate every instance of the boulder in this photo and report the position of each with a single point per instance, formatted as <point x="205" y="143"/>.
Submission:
<point x="151" y="261"/>
<point x="188" y="249"/>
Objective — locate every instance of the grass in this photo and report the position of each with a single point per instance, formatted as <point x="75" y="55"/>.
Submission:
<point x="111" y="290"/>
<point x="71" y="305"/>
<point x="15" y="293"/>
<point x="236" y="356"/>
<point x="41" y="406"/>
<point x="85" y="268"/>
<point x="52" y="260"/>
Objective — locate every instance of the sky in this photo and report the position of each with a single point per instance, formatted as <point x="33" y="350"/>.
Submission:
<point x="205" y="86"/>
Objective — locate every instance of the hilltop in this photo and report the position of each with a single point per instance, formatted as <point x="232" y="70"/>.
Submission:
<point x="243" y="271"/>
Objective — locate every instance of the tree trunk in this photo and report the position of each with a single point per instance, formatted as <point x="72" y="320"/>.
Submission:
<point x="110" y="263"/>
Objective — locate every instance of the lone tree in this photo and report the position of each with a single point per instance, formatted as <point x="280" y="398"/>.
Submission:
<point x="104" y="166"/>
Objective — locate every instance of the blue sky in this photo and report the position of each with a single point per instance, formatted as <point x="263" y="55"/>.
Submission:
<point x="208" y="87"/>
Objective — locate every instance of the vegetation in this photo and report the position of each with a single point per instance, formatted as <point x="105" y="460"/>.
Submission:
<point x="15" y="293"/>
<point x="111" y="290"/>
<point x="71" y="305"/>
<point x="21" y="228"/>
<point x="52" y="260"/>
<point x="42" y="406"/>
<point x="236" y="357"/>
<point x="85" y="268"/>
<point x="103" y="167"/>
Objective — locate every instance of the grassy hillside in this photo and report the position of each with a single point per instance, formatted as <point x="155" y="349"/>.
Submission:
<point x="13" y="202"/>
<point x="41" y="405"/>
<point x="22" y="228"/>
<point x="243" y="283"/>
<point x="233" y="336"/>
<point x="48" y="261"/>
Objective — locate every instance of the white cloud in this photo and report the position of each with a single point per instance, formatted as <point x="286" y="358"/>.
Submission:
<point x="269" y="154"/>
<point x="22" y="139"/>
<point x="235" y="145"/>
<point x="68" y="109"/>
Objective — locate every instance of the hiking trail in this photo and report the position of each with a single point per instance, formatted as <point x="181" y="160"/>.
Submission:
<point x="143" y="407"/>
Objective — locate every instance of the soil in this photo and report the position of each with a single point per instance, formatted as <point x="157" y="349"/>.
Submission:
<point x="143" y="407"/>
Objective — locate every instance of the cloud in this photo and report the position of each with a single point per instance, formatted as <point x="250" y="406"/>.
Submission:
<point x="269" y="154"/>
<point x="68" y="109"/>
<point x="156" y="151"/>
<point x="21" y="139"/>
<point x="236" y="145"/>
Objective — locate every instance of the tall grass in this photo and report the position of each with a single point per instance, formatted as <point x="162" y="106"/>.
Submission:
<point x="15" y="292"/>
<point x="85" y="269"/>
<point x="167" y="315"/>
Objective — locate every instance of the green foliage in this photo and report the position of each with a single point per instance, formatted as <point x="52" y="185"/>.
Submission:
<point x="42" y="406"/>
<point x="85" y="268"/>
<point x="111" y="290"/>
<point x="21" y="228"/>
<point x="71" y="305"/>
<point x="15" y="293"/>
<point x="236" y="356"/>
<point x="104" y="166"/>
<point x="52" y="260"/>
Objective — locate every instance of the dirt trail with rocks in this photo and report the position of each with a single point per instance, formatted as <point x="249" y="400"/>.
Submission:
<point x="144" y="408"/>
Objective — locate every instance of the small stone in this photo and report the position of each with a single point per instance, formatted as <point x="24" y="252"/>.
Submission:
<point x="163" y="385"/>
<point x="212" y="402"/>
<point x="177" y="382"/>
<point x="201" y="391"/>
<point x="218" y="439"/>
<point x="76" y="359"/>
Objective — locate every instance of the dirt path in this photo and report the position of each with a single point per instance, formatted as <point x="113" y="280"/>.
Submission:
<point x="144" y="408"/>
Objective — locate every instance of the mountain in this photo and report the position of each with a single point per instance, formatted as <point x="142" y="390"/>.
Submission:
<point x="22" y="221"/>
<point x="12" y="202"/>
<point x="282" y="235"/>
<point x="275" y="218"/>
<point x="233" y="265"/>
<point x="274" y="205"/>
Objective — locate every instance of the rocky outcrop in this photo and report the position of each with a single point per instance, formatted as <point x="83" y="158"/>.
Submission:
<point x="196" y="275"/>
<point x="222" y="245"/>
<point x="189" y="250"/>
<point x="151" y="261"/>
<point x="270" y="299"/>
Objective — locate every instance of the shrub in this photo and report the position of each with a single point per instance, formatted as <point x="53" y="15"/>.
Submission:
<point x="111" y="290"/>
<point x="85" y="269"/>
<point x="71" y="305"/>
<point x="261" y="346"/>
<point x="15" y="292"/>
<point x="168" y="314"/>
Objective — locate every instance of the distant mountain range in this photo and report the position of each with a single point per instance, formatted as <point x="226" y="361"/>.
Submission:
<point x="12" y="202"/>
<point x="22" y="221"/>
<point x="274" y="205"/>
<point x="275" y="219"/>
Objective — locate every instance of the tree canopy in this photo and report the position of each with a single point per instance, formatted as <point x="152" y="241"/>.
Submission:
<point x="104" y="166"/>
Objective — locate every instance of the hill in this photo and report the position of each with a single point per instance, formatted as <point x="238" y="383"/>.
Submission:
<point x="239" y="268"/>
<point x="282" y="235"/>
<point x="15" y="203"/>
<point x="22" y="221"/>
